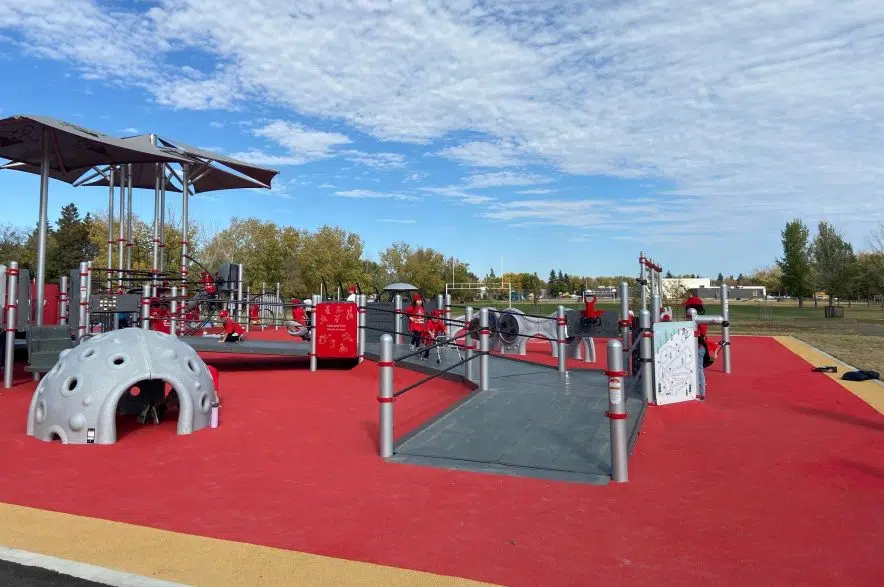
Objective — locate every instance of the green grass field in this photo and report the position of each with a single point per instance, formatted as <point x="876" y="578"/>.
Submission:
<point x="856" y="339"/>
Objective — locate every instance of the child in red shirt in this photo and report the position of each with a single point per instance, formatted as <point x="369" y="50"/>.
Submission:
<point x="434" y="327"/>
<point x="233" y="332"/>
<point x="253" y="314"/>
<point x="160" y="319"/>
<point x="417" y="316"/>
<point x="208" y="284"/>
<point x="705" y="347"/>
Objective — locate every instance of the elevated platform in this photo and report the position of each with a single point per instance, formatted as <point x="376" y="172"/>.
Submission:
<point x="276" y="348"/>
<point x="532" y="422"/>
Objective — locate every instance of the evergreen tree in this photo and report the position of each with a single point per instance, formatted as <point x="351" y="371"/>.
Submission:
<point x="795" y="264"/>
<point x="720" y="279"/>
<point x="833" y="262"/>
<point x="71" y="243"/>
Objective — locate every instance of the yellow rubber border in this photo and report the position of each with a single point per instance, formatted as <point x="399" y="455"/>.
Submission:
<point x="192" y="560"/>
<point x="871" y="392"/>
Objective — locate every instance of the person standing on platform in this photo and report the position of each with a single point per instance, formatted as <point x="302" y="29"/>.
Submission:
<point x="351" y="291"/>
<point x="706" y="349"/>
<point x="417" y="318"/>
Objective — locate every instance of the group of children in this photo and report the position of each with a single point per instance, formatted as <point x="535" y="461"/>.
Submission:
<point x="424" y="329"/>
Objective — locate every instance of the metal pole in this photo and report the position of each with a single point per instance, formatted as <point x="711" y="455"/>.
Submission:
<point x="173" y="309"/>
<point x="129" y="243"/>
<point x="484" y="335"/>
<point x="361" y="317"/>
<point x="11" y="322"/>
<point x="643" y="280"/>
<point x="725" y="329"/>
<point x="159" y="175"/>
<point x="646" y="354"/>
<point x="561" y="335"/>
<point x="121" y="238"/>
<point x="83" y="301"/>
<point x="239" y="298"/>
<point x="248" y="297"/>
<point x="63" y="300"/>
<point x="277" y="312"/>
<point x="397" y="320"/>
<point x="185" y="197"/>
<point x="385" y="396"/>
<point x="440" y="301"/>
<point x="110" y="228"/>
<point x="145" y="306"/>
<point x="88" y="296"/>
<point x="261" y="306"/>
<point x="162" y="227"/>
<point x="655" y="307"/>
<point x="313" y="317"/>
<point x="625" y="323"/>
<point x="468" y="346"/>
<point x="617" y="412"/>
<point x="447" y="311"/>
<point x="42" y="228"/>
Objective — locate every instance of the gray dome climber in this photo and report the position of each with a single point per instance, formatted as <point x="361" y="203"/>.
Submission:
<point x="78" y="400"/>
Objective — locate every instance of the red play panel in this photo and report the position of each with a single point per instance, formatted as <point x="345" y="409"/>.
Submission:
<point x="776" y="480"/>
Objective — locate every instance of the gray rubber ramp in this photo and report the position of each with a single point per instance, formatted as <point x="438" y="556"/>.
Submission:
<point x="248" y="347"/>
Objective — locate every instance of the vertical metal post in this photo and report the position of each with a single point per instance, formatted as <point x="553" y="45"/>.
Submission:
<point x="185" y="220"/>
<point x="121" y="237"/>
<point x="643" y="281"/>
<point x="162" y="228"/>
<point x="173" y="309"/>
<point x="625" y="323"/>
<point x="397" y="318"/>
<point x="617" y="411"/>
<point x="88" y="296"/>
<point x="646" y="354"/>
<point x="110" y="229"/>
<point x="261" y="306"/>
<point x="129" y="243"/>
<point x="145" y="306"/>
<point x="63" y="300"/>
<point x="468" y="346"/>
<point x="42" y="228"/>
<point x="314" y="316"/>
<point x="361" y="317"/>
<point x="159" y="176"/>
<point x="248" y="297"/>
<point x="440" y="301"/>
<point x="277" y="312"/>
<point x="484" y="336"/>
<point x="83" y="301"/>
<point x="655" y="307"/>
<point x="11" y="302"/>
<point x="725" y="330"/>
<point x="447" y="311"/>
<point x="561" y="335"/>
<point x="385" y="396"/>
<point x="239" y="291"/>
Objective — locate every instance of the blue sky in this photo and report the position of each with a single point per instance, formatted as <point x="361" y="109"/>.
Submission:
<point x="539" y="133"/>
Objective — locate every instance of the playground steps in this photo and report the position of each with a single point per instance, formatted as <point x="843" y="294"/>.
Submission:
<point x="45" y="344"/>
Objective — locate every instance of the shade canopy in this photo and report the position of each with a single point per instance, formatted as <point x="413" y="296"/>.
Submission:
<point x="65" y="176"/>
<point x="256" y="172"/>
<point x="205" y="178"/>
<point x="70" y="146"/>
<point x="396" y="287"/>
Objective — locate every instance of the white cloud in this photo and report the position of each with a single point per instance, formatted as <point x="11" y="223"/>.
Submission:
<point x="537" y="191"/>
<point x="505" y="178"/>
<point x="457" y="193"/>
<point x="216" y="124"/>
<point x="731" y="101"/>
<point x="129" y="131"/>
<point x="302" y="144"/>
<point x="370" y="194"/>
<point x="377" y="160"/>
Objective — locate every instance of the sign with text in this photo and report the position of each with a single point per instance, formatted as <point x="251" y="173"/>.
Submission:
<point x="675" y="362"/>
<point x="336" y="330"/>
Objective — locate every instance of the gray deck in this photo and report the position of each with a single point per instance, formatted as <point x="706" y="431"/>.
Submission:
<point x="532" y="422"/>
<point x="276" y="348"/>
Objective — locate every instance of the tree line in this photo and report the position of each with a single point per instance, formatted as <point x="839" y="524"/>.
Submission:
<point x="300" y="260"/>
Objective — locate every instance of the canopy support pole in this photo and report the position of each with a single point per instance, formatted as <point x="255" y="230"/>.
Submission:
<point x="41" y="230"/>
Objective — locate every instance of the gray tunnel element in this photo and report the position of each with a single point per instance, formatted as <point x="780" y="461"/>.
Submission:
<point x="82" y="391"/>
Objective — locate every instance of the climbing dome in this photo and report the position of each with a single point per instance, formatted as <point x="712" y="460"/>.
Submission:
<point x="77" y="401"/>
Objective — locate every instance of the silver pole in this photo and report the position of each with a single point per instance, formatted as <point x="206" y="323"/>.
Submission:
<point x="173" y="309"/>
<point x="248" y="297"/>
<point x="561" y="335"/>
<point x="83" y="301"/>
<point x="617" y="412"/>
<point x="447" y="311"/>
<point x="63" y="300"/>
<point x="725" y="329"/>
<point x="88" y="296"/>
<point x="42" y="229"/>
<point x="162" y="227"/>
<point x="385" y="396"/>
<point x="145" y="306"/>
<point x="483" y="350"/>
<point x="361" y="316"/>
<point x="110" y="228"/>
<point x="261" y="306"/>
<point x="11" y="322"/>
<point x="239" y="297"/>
<point x="185" y="185"/>
<point x="155" y="242"/>
<point x="121" y="239"/>
<point x="440" y="301"/>
<point x="646" y="353"/>
<point x="129" y="243"/>
<point x="655" y="307"/>
<point x="468" y="346"/>
<point x="643" y="280"/>
<point x="624" y="315"/>
<point x="277" y="312"/>
<point x="313" y="317"/>
<point x="397" y="324"/>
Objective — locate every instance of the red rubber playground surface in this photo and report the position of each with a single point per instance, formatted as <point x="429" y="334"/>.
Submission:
<point x="778" y="479"/>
